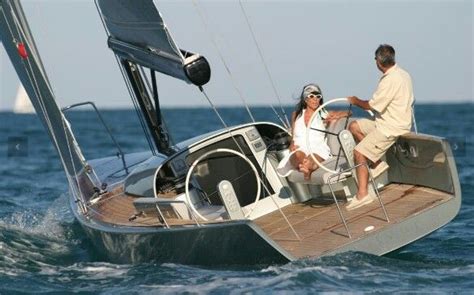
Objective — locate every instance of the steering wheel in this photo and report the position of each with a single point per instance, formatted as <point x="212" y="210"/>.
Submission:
<point x="308" y="145"/>
<point x="220" y="150"/>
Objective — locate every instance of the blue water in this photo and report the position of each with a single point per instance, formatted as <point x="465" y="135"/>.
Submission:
<point x="43" y="250"/>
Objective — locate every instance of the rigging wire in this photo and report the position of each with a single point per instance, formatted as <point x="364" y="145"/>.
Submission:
<point x="215" y="110"/>
<point x="248" y="110"/>
<point x="286" y="123"/>
<point x="213" y="41"/>
<point x="227" y="128"/>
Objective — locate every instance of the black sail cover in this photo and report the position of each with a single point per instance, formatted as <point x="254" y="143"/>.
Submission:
<point x="138" y="34"/>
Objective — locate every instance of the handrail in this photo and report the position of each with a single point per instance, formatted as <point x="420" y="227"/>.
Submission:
<point x="120" y="152"/>
<point x="335" y="199"/>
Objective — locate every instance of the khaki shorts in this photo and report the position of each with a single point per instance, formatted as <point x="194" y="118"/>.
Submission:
<point x="375" y="144"/>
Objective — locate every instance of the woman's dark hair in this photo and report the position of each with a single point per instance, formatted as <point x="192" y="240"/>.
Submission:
<point x="301" y="105"/>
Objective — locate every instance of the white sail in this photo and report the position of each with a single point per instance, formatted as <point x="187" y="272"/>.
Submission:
<point x="22" y="102"/>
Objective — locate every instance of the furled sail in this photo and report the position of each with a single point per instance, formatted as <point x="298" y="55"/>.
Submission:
<point x="138" y="34"/>
<point x="21" y="49"/>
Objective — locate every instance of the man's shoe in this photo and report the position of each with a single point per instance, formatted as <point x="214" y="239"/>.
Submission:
<point x="356" y="203"/>
<point x="381" y="168"/>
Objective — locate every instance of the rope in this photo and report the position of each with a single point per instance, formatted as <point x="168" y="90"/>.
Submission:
<point x="286" y="123"/>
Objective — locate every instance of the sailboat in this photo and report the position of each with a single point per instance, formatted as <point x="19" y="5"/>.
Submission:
<point x="22" y="102"/>
<point x="217" y="199"/>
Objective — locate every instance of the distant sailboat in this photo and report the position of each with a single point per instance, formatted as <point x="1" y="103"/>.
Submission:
<point x="22" y="102"/>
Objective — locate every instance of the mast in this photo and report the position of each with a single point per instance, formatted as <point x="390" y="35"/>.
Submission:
<point x="139" y="37"/>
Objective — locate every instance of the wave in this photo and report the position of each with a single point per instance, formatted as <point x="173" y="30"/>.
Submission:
<point x="30" y="239"/>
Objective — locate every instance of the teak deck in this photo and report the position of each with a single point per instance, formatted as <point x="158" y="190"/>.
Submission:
<point x="317" y="222"/>
<point x="321" y="229"/>
<point x="116" y="207"/>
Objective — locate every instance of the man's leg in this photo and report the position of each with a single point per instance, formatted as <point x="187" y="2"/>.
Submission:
<point x="359" y="158"/>
<point x="362" y="197"/>
<point x="369" y="151"/>
<point x="354" y="128"/>
<point x="362" y="175"/>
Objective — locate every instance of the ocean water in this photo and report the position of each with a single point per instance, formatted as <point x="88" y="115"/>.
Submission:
<point x="43" y="250"/>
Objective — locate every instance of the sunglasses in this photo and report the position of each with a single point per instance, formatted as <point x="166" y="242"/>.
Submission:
<point x="318" y="96"/>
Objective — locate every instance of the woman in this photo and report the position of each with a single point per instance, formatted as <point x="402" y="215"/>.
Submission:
<point x="310" y="100"/>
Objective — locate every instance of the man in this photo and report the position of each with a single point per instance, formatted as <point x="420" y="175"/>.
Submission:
<point x="392" y="102"/>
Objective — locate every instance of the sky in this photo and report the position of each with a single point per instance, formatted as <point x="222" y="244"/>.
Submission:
<point x="330" y="43"/>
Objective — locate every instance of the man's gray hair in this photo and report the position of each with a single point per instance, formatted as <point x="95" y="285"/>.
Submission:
<point x="385" y="54"/>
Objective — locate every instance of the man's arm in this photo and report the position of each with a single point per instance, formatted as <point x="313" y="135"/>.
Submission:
<point x="336" y="115"/>
<point x="363" y="104"/>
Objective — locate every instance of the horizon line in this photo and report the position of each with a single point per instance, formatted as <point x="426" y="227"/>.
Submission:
<point x="124" y="107"/>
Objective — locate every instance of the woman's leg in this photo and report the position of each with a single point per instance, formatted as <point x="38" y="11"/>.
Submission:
<point x="297" y="159"/>
<point x="309" y="165"/>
